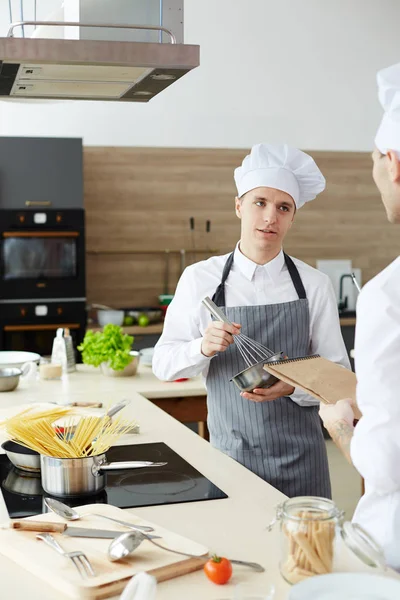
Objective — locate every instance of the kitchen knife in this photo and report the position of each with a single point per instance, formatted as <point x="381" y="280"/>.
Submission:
<point x="43" y="526"/>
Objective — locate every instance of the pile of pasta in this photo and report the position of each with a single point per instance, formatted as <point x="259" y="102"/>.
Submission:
<point x="310" y="545"/>
<point x="75" y="438"/>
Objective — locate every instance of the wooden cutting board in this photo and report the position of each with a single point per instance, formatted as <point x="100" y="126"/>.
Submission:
<point x="111" y="577"/>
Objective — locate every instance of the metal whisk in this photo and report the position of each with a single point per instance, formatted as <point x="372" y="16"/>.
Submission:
<point x="251" y="351"/>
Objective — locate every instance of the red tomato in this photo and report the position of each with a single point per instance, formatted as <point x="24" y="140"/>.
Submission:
<point x="218" y="569"/>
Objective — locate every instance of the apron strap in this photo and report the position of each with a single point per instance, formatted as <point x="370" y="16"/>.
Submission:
<point x="219" y="295"/>
<point x="296" y="279"/>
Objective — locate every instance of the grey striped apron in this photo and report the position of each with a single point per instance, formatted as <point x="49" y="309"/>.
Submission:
<point x="280" y="441"/>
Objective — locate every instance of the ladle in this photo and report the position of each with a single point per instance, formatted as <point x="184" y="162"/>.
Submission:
<point x="126" y="543"/>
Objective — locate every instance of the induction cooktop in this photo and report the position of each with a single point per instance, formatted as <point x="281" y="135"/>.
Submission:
<point x="173" y="483"/>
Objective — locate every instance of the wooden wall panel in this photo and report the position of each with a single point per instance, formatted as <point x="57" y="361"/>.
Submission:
<point x="139" y="201"/>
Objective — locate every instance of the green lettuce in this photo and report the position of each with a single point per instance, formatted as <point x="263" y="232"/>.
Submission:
<point x="110" y="345"/>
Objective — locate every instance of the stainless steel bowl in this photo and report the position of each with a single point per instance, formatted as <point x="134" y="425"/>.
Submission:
<point x="256" y="376"/>
<point x="21" y="457"/>
<point x="23" y="483"/>
<point x="9" y="378"/>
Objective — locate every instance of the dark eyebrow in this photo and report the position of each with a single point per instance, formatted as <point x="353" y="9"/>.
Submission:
<point x="288" y="204"/>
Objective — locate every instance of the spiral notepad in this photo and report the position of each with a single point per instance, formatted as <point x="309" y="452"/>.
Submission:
<point x="318" y="376"/>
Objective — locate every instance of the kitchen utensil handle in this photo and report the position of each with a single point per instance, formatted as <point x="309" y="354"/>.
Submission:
<point x="252" y="565"/>
<point x="125" y="523"/>
<point x="215" y="310"/>
<point x="27" y="525"/>
<point x="48" y="539"/>
<point x="117" y="407"/>
<point x="129" y="464"/>
<point x="86" y="404"/>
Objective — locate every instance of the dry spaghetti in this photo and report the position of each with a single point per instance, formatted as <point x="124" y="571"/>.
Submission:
<point x="91" y="436"/>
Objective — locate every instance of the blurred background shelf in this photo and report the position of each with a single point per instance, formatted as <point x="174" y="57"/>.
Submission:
<point x="156" y="328"/>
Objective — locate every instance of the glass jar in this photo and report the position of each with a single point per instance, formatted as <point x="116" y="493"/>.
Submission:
<point x="315" y="541"/>
<point x="308" y="526"/>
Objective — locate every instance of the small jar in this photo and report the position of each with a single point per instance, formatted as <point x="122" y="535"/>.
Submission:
<point x="315" y="541"/>
<point x="308" y="526"/>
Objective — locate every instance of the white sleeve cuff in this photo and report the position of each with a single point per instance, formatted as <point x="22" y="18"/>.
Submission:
<point x="195" y="354"/>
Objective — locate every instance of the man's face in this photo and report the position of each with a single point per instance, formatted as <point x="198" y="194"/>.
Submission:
<point x="386" y="174"/>
<point x="267" y="215"/>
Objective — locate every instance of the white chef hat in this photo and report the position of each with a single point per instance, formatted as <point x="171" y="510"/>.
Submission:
<point x="282" y="168"/>
<point x="388" y="135"/>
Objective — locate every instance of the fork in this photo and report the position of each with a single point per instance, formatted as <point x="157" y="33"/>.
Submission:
<point x="79" y="559"/>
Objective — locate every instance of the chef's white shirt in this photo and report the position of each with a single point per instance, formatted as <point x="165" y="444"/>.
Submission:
<point x="178" y="352"/>
<point x="375" y="447"/>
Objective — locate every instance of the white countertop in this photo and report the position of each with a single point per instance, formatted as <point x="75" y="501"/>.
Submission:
<point x="234" y="527"/>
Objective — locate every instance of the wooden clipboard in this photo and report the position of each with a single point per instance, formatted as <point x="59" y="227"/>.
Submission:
<point x="319" y="377"/>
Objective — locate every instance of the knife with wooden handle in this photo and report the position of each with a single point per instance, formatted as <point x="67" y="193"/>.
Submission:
<point x="51" y="527"/>
<point x="27" y="525"/>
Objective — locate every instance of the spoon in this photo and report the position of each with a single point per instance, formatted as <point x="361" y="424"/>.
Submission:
<point x="68" y="513"/>
<point x="126" y="543"/>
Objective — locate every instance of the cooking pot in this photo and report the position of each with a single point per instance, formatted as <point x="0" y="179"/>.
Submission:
<point x="81" y="476"/>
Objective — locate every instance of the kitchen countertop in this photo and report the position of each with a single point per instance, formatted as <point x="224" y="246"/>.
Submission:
<point x="235" y="527"/>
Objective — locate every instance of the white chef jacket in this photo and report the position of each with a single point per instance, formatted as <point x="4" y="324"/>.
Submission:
<point x="375" y="447"/>
<point x="178" y="352"/>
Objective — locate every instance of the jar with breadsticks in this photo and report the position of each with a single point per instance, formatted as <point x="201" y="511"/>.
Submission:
<point x="315" y="541"/>
<point x="308" y="525"/>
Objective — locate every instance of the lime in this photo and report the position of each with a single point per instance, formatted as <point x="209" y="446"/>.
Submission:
<point x="143" y="320"/>
<point x="128" y="320"/>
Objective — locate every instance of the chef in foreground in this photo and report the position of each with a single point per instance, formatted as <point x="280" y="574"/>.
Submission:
<point x="374" y="444"/>
<point x="278" y="301"/>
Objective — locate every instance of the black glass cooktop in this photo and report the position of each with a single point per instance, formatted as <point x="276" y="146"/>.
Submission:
<point x="176" y="482"/>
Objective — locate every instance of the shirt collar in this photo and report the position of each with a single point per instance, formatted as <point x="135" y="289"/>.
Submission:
<point x="247" y="267"/>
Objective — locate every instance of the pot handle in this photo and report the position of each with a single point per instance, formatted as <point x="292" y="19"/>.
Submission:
<point x="133" y="464"/>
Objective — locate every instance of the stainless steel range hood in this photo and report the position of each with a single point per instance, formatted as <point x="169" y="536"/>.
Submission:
<point x="91" y="69"/>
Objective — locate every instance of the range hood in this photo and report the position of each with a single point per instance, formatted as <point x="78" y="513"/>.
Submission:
<point x="43" y="68"/>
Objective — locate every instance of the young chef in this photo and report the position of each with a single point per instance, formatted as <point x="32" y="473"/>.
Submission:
<point x="278" y="301"/>
<point x="374" y="444"/>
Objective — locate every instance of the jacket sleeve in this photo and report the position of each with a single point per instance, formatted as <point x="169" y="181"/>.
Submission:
<point x="178" y="351"/>
<point x="375" y="447"/>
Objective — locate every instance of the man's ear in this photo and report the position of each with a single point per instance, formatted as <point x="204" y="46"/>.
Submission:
<point x="238" y="207"/>
<point x="393" y="162"/>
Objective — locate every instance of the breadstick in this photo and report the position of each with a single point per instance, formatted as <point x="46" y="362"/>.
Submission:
<point x="322" y="546"/>
<point x="310" y="553"/>
<point x="298" y="575"/>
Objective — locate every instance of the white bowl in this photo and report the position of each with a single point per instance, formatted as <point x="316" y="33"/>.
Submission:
<point x="113" y="317"/>
<point x="349" y="586"/>
<point x="11" y="358"/>
<point x="146" y="356"/>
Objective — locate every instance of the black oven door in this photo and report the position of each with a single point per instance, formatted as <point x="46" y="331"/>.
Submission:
<point x="42" y="264"/>
<point x="42" y="254"/>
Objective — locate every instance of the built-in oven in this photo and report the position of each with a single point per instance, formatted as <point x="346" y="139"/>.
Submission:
<point x="32" y="325"/>
<point x="42" y="254"/>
